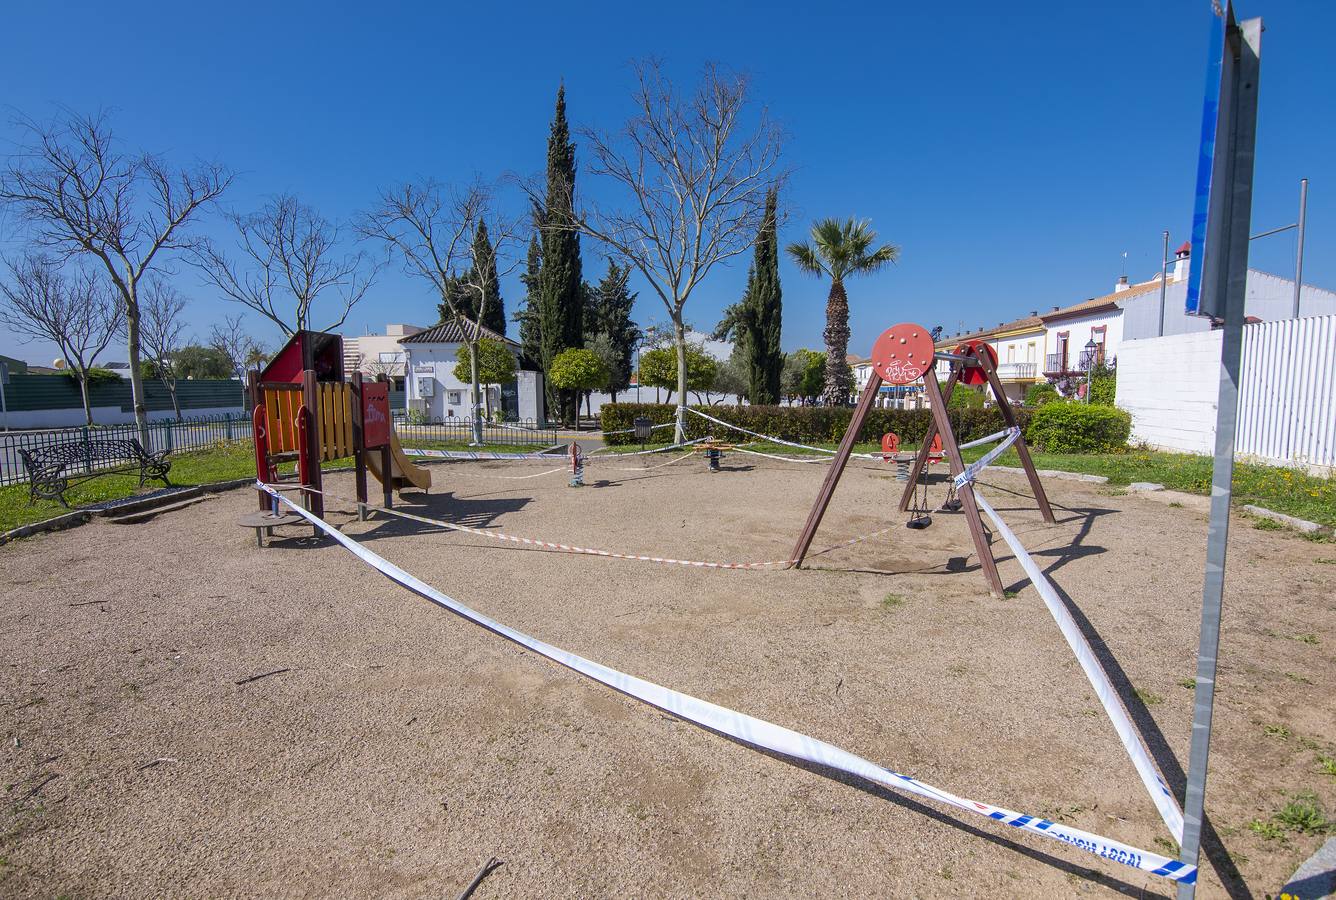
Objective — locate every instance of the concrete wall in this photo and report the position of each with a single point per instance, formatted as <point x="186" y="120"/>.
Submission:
<point x="1268" y="297"/>
<point x="1287" y="392"/>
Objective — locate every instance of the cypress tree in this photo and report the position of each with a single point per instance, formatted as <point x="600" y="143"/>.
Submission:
<point x="464" y="298"/>
<point x="484" y="275"/>
<point x="562" y="295"/>
<point x="761" y="318"/>
<point x="610" y="312"/>
<point x="528" y="316"/>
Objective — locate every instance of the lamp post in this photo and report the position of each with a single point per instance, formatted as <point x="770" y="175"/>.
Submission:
<point x="1090" y="349"/>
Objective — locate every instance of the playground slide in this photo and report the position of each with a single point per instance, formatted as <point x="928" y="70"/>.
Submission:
<point x="402" y="472"/>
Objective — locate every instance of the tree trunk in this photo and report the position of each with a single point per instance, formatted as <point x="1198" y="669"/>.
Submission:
<point x="680" y="333"/>
<point x="476" y="399"/>
<point x="839" y="384"/>
<point x="132" y="342"/>
<point x="83" y="390"/>
<point x="170" y="385"/>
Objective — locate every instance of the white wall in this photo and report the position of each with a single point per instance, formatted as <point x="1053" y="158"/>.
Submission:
<point x="436" y="363"/>
<point x="1287" y="392"/>
<point x="1268" y="297"/>
<point x="1079" y="329"/>
<point x="105" y="415"/>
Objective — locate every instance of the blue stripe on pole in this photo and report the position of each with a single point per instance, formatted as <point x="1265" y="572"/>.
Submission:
<point x="1210" y="117"/>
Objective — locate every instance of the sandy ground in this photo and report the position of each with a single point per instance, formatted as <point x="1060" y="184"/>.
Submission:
<point x="404" y="746"/>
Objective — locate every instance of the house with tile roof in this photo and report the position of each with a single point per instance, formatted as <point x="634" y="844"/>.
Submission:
<point x="433" y="391"/>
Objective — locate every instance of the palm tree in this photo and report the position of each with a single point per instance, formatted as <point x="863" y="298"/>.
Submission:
<point x="840" y="250"/>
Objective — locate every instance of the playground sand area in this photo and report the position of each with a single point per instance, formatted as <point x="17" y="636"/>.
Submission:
<point x="401" y="746"/>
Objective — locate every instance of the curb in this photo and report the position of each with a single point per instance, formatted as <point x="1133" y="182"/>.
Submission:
<point x="83" y="516"/>
<point x="1055" y="473"/>
<point x="68" y="520"/>
<point x="1289" y="521"/>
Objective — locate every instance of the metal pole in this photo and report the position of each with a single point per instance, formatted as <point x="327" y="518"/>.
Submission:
<point x="1299" y="253"/>
<point x="1230" y="244"/>
<point x="1164" y="276"/>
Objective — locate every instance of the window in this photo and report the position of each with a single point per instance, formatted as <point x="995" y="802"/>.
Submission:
<point x="1029" y="352"/>
<point x="455" y="398"/>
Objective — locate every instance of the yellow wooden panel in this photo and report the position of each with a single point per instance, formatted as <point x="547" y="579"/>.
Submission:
<point x="324" y="415"/>
<point x="273" y="413"/>
<point x="347" y="393"/>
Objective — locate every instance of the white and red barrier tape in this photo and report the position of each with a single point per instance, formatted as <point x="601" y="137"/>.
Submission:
<point x="758" y="732"/>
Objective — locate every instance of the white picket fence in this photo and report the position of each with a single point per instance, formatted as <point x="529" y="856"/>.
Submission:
<point x="1287" y="392"/>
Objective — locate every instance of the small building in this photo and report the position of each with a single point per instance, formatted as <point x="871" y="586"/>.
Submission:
<point x="434" y="393"/>
<point x="379" y="354"/>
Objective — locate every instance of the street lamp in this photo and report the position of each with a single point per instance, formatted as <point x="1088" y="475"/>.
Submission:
<point x="1090" y="349"/>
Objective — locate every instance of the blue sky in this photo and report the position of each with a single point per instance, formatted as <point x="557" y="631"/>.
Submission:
<point x="1013" y="151"/>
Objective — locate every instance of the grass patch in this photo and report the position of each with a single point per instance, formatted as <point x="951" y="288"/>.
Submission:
<point x="224" y="462"/>
<point x="1268" y="830"/>
<point x="1302" y="679"/>
<point x="1306" y="638"/>
<point x="892" y="601"/>
<point x="1175" y="505"/>
<point x="1189" y="683"/>
<point x="1327" y="560"/>
<point x="1267" y="525"/>
<point x="1277" y="731"/>
<point x="1327" y="764"/>
<point x="1150" y="698"/>
<point x="1303" y="814"/>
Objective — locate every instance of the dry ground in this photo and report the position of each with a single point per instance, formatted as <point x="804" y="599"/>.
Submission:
<point x="405" y="746"/>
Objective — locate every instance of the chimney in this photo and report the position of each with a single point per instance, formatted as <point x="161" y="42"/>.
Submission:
<point x="1181" y="262"/>
<point x="1122" y="284"/>
<point x="1034" y="312"/>
<point x="1056" y="308"/>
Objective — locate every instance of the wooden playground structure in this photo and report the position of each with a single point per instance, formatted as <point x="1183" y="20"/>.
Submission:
<point x="306" y="412"/>
<point x="903" y="354"/>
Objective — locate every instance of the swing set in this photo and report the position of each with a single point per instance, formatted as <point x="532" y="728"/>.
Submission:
<point x="904" y="354"/>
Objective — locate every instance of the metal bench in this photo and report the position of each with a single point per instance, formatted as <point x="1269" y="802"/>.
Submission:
<point x="51" y="470"/>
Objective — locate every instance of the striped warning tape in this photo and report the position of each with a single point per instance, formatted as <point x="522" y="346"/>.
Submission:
<point x="610" y="554"/>
<point x="1099" y="679"/>
<point x="754" y="731"/>
<point x="973" y="469"/>
<point x="774" y="440"/>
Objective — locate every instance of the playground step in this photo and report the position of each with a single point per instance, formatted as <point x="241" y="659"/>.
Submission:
<point x="143" y="515"/>
<point x="117" y="508"/>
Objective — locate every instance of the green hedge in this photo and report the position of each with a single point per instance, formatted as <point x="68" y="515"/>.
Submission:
<point x="1069" y="427"/>
<point x="804" y="424"/>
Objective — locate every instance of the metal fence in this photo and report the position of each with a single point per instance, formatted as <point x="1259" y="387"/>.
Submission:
<point x="525" y="431"/>
<point x="176" y="434"/>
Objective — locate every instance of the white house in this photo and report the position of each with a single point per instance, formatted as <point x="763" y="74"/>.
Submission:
<point x="379" y="354"/>
<point x="433" y="391"/>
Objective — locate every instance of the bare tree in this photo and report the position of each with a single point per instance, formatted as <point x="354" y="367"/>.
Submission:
<point x="233" y="341"/>
<point x="694" y="172"/>
<point x="163" y="331"/>
<point x="431" y="228"/>
<point x="290" y="255"/>
<point x="77" y="313"/>
<point x="78" y="194"/>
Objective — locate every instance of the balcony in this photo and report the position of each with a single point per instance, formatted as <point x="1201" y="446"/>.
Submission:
<point x="1013" y="371"/>
<point x="1058" y="364"/>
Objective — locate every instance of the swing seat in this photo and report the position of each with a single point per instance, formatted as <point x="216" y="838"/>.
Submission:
<point x="950" y="506"/>
<point x="918" y="523"/>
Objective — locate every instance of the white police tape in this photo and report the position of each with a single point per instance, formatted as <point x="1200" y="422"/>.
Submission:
<point x="478" y="454"/>
<point x="987" y="440"/>
<point x="772" y="439"/>
<point x="973" y="469"/>
<point x="1099" y="679"/>
<point x="603" y="453"/>
<point x="754" y="731"/>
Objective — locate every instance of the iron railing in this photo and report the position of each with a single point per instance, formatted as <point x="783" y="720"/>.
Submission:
<point x="1060" y="363"/>
<point x="524" y="431"/>
<point x="174" y="435"/>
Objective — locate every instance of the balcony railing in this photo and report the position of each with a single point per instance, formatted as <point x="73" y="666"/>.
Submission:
<point x="1014" y="371"/>
<point x="1062" y="364"/>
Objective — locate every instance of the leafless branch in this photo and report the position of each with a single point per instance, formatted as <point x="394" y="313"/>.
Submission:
<point x="233" y="341"/>
<point x="289" y="256"/>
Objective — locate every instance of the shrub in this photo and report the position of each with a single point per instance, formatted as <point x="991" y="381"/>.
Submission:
<point x="1103" y="389"/>
<point x="805" y="424"/>
<point x="658" y="368"/>
<point x="578" y="369"/>
<point x="964" y="397"/>
<point x="1041" y="393"/>
<point x="496" y="364"/>
<point x="1067" y="427"/>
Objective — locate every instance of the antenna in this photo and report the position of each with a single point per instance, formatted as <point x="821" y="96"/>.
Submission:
<point x="1124" y="272"/>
